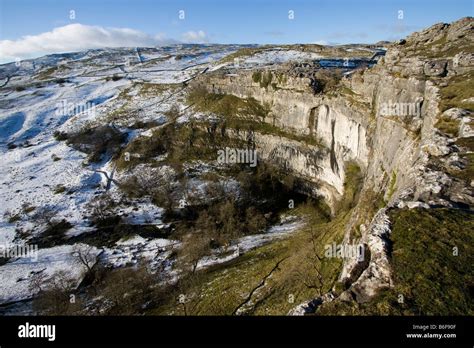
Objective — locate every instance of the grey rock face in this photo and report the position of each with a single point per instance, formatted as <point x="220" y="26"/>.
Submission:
<point x="408" y="147"/>
<point x="435" y="68"/>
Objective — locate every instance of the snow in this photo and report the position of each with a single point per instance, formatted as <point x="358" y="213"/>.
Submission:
<point x="131" y="251"/>
<point x="276" y="56"/>
<point x="247" y="243"/>
<point x="17" y="274"/>
<point x="275" y="232"/>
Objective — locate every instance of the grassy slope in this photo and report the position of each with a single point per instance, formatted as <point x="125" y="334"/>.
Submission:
<point x="430" y="278"/>
<point x="221" y="289"/>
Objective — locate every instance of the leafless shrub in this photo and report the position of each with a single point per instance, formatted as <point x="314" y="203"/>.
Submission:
<point x="101" y="208"/>
<point x="56" y="295"/>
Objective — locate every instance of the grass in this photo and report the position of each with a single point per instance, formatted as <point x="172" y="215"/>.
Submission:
<point x="150" y="89"/>
<point x="438" y="282"/>
<point x="448" y="125"/>
<point x="49" y="73"/>
<point x="458" y="89"/>
<point x="222" y="288"/>
<point x="430" y="276"/>
<point x="225" y="104"/>
<point x="391" y="186"/>
<point x="352" y="185"/>
<point x="28" y="208"/>
<point x="440" y="48"/>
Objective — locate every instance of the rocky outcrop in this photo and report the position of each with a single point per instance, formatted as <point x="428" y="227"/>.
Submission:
<point x="339" y="126"/>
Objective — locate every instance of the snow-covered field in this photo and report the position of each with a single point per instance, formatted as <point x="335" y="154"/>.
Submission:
<point x="30" y="115"/>
<point x="16" y="276"/>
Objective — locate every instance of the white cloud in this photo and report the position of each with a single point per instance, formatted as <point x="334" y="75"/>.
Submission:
<point x="195" y="37"/>
<point x="77" y="37"/>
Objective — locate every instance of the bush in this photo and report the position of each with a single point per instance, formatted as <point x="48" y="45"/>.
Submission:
<point x="54" y="296"/>
<point x="59" y="136"/>
<point x="53" y="235"/>
<point x="266" y="79"/>
<point x="129" y="291"/>
<point x="59" y="189"/>
<point x="101" y="210"/>
<point x="257" y="76"/>
<point x="98" y="141"/>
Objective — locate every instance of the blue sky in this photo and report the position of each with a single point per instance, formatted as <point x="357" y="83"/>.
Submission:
<point x="234" y="21"/>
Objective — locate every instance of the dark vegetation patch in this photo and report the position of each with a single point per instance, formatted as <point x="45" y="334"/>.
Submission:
<point x="97" y="142"/>
<point x="123" y="291"/>
<point x="53" y="235"/>
<point x="264" y="78"/>
<point x="107" y="227"/>
<point x="326" y="80"/>
<point x="180" y="142"/>
<point x="110" y="234"/>
<point x="114" y="77"/>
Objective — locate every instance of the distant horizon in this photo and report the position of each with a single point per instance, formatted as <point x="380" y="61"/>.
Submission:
<point x="49" y="26"/>
<point x="185" y="44"/>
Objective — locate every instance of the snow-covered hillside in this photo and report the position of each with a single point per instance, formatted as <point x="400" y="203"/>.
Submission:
<point x="45" y="182"/>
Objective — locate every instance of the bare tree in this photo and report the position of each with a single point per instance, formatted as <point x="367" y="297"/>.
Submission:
<point x="86" y="256"/>
<point x="195" y="246"/>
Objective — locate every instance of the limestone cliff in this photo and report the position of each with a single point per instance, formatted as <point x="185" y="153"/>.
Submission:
<point x="391" y="120"/>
